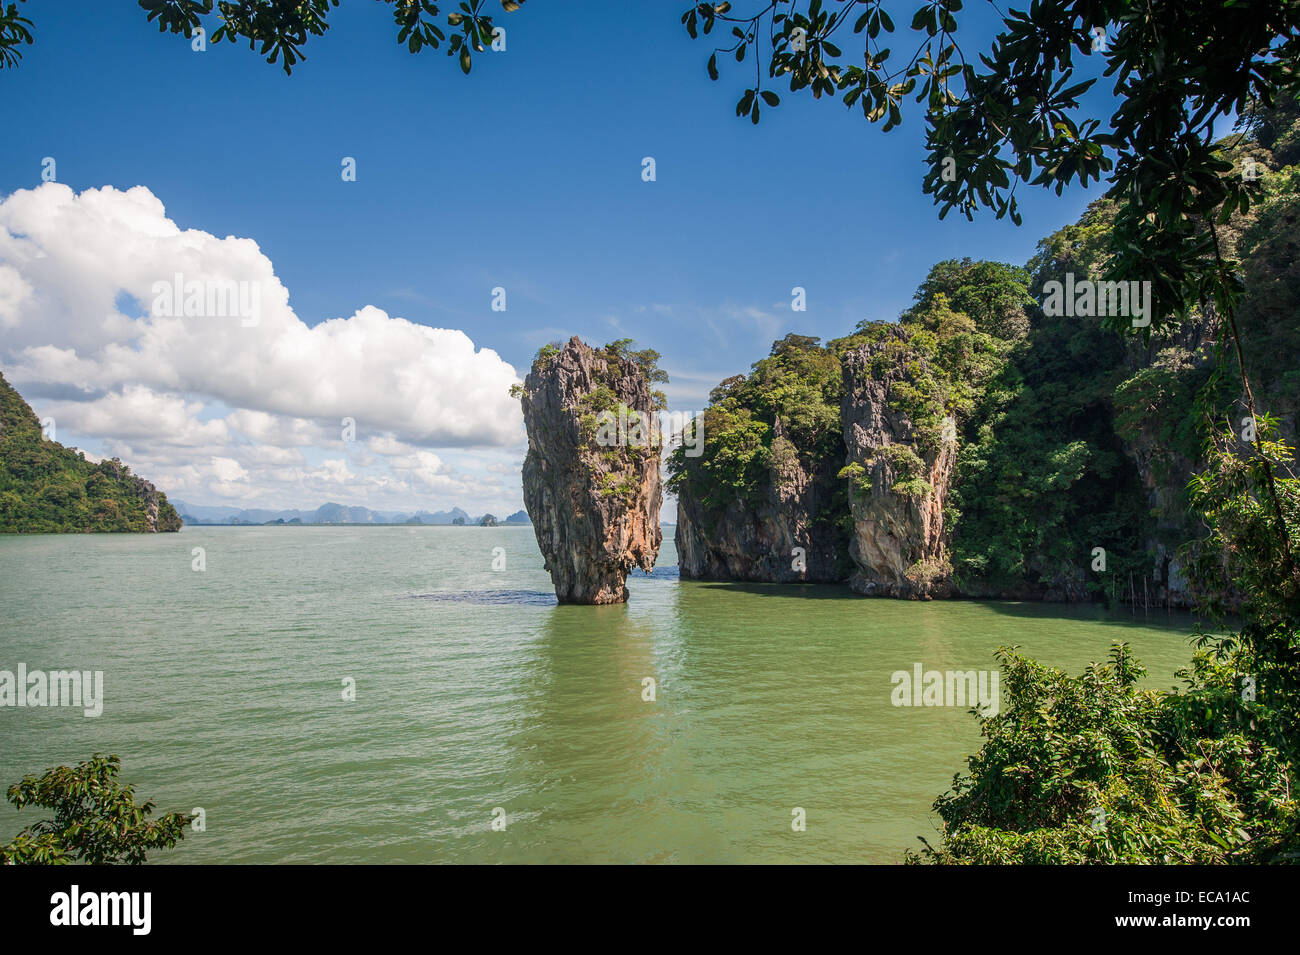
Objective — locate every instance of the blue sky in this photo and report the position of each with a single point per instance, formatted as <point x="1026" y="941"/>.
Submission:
<point x="524" y="175"/>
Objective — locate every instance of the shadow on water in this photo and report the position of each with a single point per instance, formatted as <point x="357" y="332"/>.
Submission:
<point x="1098" y="613"/>
<point x="531" y="598"/>
<point x="801" y="591"/>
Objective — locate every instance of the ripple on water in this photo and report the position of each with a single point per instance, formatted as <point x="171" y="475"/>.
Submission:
<point x="530" y="598"/>
<point x="226" y="690"/>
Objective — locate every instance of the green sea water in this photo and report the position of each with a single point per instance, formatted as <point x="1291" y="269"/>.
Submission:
<point x="475" y="692"/>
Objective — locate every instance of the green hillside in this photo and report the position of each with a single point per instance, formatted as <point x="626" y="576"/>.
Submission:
<point x="47" y="488"/>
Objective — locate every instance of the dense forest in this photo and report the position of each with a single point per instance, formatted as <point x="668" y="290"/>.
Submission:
<point x="47" y="488"/>
<point x="1069" y="435"/>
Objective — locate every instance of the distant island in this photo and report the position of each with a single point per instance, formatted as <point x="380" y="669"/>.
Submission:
<point x="46" y="488"/>
<point x="331" y="513"/>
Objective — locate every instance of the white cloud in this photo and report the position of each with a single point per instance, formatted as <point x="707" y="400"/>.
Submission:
<point x="13" y="293"/>
<point x="249" y="403"/>
<point x="136" y="412"/>
<point x="228" y="469"/>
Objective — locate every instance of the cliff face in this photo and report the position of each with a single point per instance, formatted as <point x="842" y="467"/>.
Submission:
<point x="791" y="535"/>
<point x="1164" y="474"/>
<point x="1153" y="414"/>
<point x="47" y="488"/>
<point x="897" y="484"/>
<point x="157" y="514"/>
<point x="591" y="477"/>
<point x="987" y="447"/>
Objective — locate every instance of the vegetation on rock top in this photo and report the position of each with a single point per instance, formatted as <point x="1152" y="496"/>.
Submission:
<point x="47" y="488"/>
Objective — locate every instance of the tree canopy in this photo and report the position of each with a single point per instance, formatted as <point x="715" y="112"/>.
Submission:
<point x="96" y="818"/>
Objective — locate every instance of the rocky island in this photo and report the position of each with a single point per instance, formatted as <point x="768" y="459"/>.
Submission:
<point x="591" y="478"/>
<point x="47" y="488"/>
<point x="980" y="446"/>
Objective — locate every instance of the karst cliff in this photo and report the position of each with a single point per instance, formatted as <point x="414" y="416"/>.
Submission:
<point x="898" y="477"/>
<point x="981" y="447"/>
<point x="591" y="477"/>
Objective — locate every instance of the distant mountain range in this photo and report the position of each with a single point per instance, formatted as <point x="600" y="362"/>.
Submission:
<point x="334" y="514"/>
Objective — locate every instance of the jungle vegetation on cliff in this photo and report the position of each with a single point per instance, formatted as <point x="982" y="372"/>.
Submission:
<point x="47" y="488"/>
<point x="1071" y="437"/>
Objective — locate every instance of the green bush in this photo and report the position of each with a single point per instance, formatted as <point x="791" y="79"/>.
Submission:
<point x="96" y="818"/>
<point x="1094" y="769"/>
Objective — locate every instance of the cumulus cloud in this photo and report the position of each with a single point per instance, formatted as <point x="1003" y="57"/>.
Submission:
<point x="138" y="413"/>
<point x="180" y="348"/>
